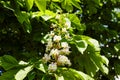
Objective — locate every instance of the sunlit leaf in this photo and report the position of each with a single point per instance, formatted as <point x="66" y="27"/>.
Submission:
<point x="29" y="4"/>
<point x="80" y="75"/>
<point x="41" y="67"/>
<point x="100" y="62"/>
<point x="41" y="4"/>
<point x="76" y="4"/>
<point x="59" y="77"/>
<point x="81" y="45"/>
<point x="92" y="42"/>
<point x="22" y="73"/>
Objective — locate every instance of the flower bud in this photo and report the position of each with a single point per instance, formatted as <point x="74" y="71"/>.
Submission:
<point x="63" y="60"/>
<point x="52" y="67"/>
<point x="49" y="45"/>
<point x="64" y="45"/>
<point x="65" y="51"/>
<point x="46" y="58"/>
<point x="68" y="23"/>
<point x="54" y="53"/>
<point x="57" y="38"/>
<point x="64" y="30"/>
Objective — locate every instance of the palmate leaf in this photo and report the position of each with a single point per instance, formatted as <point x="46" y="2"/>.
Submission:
<point x="72" y="74"/>
<point x="100" y="61"/>
<point x="80" y="75"/>
<point x="91" y="68"/>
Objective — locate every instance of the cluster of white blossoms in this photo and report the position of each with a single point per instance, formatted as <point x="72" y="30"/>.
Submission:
<point x="57" y="49"/>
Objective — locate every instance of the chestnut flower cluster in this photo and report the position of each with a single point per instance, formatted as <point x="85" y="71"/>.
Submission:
<point x="57" y="47"/>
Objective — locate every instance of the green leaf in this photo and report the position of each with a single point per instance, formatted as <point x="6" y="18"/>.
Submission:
<point x="90" y="67"/>
<point x="27" y="26"/>
<point x="76" y="4"/>
<point x="75" y="22"/>
<point x="56" y="0"/>
<point x="48" y="15"/>
<point x="8" y="75"/>
<point x="41" y="67"/>
<point x="8" y="62"/>
<point x="36" y="14"/>
<point x="59" y="77"/>
<point x="117" y="47"/>
<point x="80" y="75"/>
<point x="92" y="42"/>
<point x="66" y="4"/>
<point x="41" y="4"/>
<point x="101" y="62"/>
<point x="81" y="45"/>
<point x="67" y="75"/>
<point x="7" y="5"/>
<point x="117" y="67"/>
<point x="29" y="4"/>
<point x="31" y="76"/>
<point x="22" y="73"/>
<point x="21" y="16"/>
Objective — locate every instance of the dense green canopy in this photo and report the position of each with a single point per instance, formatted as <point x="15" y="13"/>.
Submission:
<point x="59" y="39"/>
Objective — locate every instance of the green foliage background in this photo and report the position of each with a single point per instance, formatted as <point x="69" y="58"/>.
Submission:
<point x="95" y="43"/>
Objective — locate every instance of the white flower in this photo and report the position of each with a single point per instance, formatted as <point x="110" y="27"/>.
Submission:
<point x="68" y="23"/>
<point x="65" y="51"/>
<point x="54" y="53"/>
<point x="67" y="36"/>
<point x="63" y="60"/>
<point x="46" y="58"/>
<point x="57" y="16"/>
<point x="57" y="38"/>
<point x="64" y="30"/>
<point x="49" y="45"/>
<point x="52" y="33"/>
<point x="54" y="25"/>
<point x="52" y="67"/>
<point x="64" y="45"/>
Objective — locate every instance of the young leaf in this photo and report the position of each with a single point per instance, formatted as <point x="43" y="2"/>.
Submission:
<point x="22" y="73"/>
<point x="41" y="4"/>
<point x="29" y="4"/>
